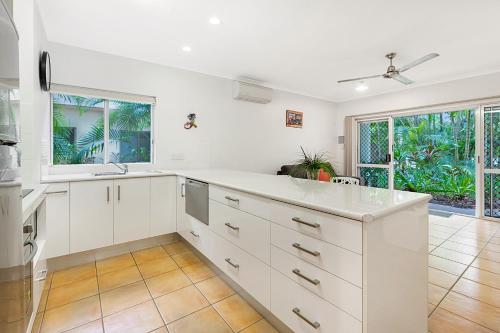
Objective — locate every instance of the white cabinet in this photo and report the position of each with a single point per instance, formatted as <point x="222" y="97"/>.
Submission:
<point x="132" y="211"/>
<point x="57" y="220"/>
<point x="163" y="205"/>
<point x="181" y="205"/>
<point x="91" y="215"/>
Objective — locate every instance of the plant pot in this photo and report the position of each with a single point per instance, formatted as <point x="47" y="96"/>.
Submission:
<point x="323" y="176"/>
<point x="312" y="174"/>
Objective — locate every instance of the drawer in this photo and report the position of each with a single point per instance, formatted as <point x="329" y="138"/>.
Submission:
<point x="341" y="293"/>
<point x="249" y="203"/>
<point x="334" y="229"/>
<point x="249" y="232"/>
<point x="198" y="235"/>
<point x="340" y="262"/>
<point x="289" y="300"/>
<point x="246" y="270"/>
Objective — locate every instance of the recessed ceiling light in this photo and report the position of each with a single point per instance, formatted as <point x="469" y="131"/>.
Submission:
<point x="214" y="20"/>
<point x="361" y="87"/>
<point x="186" y="49"/>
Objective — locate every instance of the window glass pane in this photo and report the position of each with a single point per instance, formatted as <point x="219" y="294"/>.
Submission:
<point x="375" y="177"/>
<point x="129" y="132"/>
<point x="373" y="142"/>
<point x="78" y="130"/>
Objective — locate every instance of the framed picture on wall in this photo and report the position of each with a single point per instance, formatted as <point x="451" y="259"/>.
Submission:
<point x="294" y="118"/>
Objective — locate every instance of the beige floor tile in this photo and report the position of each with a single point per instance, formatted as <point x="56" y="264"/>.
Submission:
<point x="180" y="303"/>
<point x="176" y="248"/>
<point x="71" y="315"/>
<point x="431" y="247"/>
<point x="206" y="320"/>
<point x="237" y="313"/>
<point x="215" y="289"/>
<point x="483" y="277"/>
<point x="261" y="326"/>
<point x="478" y="312"/>
<point x="490" y="255"/>
<point x="72" y="292"/>
<point x="73" y="274"/>
<point x="446" y="265"/>
<point x="442" y="228"/>
<point x="486" y="265"/>
<point x="138" y="319"/>
<point x="93" y="327"/>
<point x="119" y="278"/>
<point x="37" y="323"/>
<point x="198" y="272"/>
<point x="435" y="293"/>
<point x="480" y="236"/>
<point x="493" y="247"/>
<point x="43" y="300"/>
<point x="114" y="263"/>
<point x="495" y="239"/>
<point x="440" y="234"/>
<point x="185" y="258"/>
<point x="145" y="255"/>
<point x="478" y="291"/>
<point x="462" y="248"/>
<point x="453" y="255"/>
<point x="467" y="241"/>
<point x="48" y="281"/>
<point x="160" y="330"/>
<point x="443" y="321"/>
<point x="124" y="297"/>
<point x="441" y="278"/>
<point x="430" y="308"/>
<point x="168" y="282"/>
<point x="157" y="267"/>
<point x="436" y="241"/>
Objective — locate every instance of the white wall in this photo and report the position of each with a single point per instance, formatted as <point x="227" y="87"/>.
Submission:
<point x="480" y="87"/>
<point x="230" y="134"/>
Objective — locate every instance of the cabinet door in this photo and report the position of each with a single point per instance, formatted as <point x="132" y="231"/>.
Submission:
<point x="132" y="211"/>
<point x="163" y="205"/>
<point x="57" y="220"/>
<point x="91" y="215"/>
<point x="182" y="224"/>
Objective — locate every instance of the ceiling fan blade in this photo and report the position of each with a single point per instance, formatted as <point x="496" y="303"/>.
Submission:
<point x="402" y="79"/>
<point x="360" y="78"/>
<point x="418" y="62"/>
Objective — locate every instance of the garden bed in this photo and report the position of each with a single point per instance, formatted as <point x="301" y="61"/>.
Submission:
<point x="465" y="202"/>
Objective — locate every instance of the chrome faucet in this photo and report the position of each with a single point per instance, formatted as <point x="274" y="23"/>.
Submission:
<point x="122" y="166"/>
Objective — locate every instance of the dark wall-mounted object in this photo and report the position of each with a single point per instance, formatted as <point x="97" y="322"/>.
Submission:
<point x="44" y="71"/>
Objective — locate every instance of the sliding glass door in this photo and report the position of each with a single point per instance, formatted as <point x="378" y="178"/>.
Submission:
<point x="491" y="161"/>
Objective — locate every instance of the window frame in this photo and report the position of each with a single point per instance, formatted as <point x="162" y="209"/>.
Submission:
<point x="106" y="100"/>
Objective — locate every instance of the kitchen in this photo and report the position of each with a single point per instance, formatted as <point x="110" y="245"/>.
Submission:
<point x="154" y="203"/>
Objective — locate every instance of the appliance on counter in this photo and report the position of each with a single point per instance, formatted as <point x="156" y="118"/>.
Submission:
<point x="17" y="245"/>
<point x="197" y="200"/>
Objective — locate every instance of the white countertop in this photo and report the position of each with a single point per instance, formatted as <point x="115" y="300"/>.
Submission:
<point x="351" y="201"/>
<point x="31" y="202"/>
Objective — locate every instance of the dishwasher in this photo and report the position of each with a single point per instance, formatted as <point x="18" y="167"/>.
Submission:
<point x="197" y="200"/>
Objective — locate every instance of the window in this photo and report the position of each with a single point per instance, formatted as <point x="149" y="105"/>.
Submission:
<point x="94" y="130"/>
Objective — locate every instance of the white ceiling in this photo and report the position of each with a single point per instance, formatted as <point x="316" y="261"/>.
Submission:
<point x="302" y="46"/>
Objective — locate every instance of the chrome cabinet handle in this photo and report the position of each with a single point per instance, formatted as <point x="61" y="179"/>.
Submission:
<point x="229" y="225"/>
<point x="194" y="234"/>
<point x="107" y="192"/>
<point x="183" y="190"/>
<point x="34" y="250"/>
<point x="231" y="199"/>
<point x="299" y="247"/>
<point x="309" y="224"/>
<point x="119" y="192"/>
<point x="228" y="260"/>
<point x="297" y="272"/>
<point x="57" y="192"/>
<point x="314" y="324"/>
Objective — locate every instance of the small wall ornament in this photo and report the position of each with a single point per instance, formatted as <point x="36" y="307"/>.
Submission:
<point x="191" y="121"/>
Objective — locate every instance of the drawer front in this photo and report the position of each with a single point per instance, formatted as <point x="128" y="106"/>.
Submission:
<point x="249" y="272"/>
<point x="289" y="301"/>
<point x="249" y="203"/>
<point x="337" y="230"/>
<point x="344" y="295"/>
<point x="340" y="262"/>
<point x="198" y="235"/>
<point x="246" y="231"/>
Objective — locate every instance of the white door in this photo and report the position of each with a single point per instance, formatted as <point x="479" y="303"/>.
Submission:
<point x="163" y="205"/>
<point x="91" y="215"/>
<point x="181" y="204"/>
<point x="57" y="220"/>
<point x="490" y="166"/>
<point x="132" y="211"/>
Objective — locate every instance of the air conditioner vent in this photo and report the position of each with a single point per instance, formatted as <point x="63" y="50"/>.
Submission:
<point x="251" y="92"/>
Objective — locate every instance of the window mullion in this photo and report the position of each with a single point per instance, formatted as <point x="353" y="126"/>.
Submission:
<point x="106" y="131"/>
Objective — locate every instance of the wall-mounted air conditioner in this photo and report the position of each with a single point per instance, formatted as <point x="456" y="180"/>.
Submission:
<point x="251" y="92"/>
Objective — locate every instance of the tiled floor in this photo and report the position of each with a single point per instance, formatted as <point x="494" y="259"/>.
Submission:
<point x="160" y="290"/>
<point x="464" y="275"/>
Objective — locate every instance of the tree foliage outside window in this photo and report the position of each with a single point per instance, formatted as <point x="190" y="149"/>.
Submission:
<point x="78" y="129"/>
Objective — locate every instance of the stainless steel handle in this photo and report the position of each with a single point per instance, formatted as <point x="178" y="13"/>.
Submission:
<point x="119" y="193"/>
<point x="183" y="190"/>
<point x="107" y="194"/>
<point x="194" y="233"/>
<point x="309" y="224"/>
<point x="314" y="324"/>
<point x="299" y="247"/>
<point x="229" y="225"/>
<point x="228" y="260"/>
<point x="297" y="272"/>
<point x="57" y="192"/>
<point x="231" y="199"/>
<point x="34" y="250"/>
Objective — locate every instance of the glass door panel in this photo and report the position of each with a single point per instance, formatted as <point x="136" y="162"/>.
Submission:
<point x="491" y="158"/>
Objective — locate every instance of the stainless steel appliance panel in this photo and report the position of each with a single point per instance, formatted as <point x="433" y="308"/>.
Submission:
<point x="197" y="200"/>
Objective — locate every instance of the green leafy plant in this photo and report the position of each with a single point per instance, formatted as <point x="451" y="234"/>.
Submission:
<point x="311" y="164"/>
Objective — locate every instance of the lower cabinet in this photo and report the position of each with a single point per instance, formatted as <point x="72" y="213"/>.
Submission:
<point x="163" y="205"/>
<point x="91" y="215"/>
<point x="57" y="220"/>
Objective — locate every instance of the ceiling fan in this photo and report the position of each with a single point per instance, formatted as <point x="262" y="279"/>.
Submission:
<point x="393" y="72"/>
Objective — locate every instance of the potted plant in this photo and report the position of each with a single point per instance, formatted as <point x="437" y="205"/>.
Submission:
<point x="311" y="164"/>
